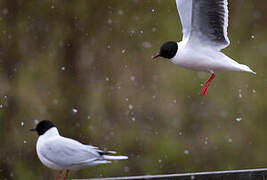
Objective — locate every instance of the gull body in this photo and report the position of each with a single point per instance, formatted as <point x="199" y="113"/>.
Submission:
<point x="205" y="25"/>
<point x="61" y="153"/>
<point x="201" y="58"/>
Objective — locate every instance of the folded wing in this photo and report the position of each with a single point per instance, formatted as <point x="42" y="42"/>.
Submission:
<point x="67" y="152"/>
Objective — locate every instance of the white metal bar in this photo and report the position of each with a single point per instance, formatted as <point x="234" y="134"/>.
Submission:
<point x="245" y="174"/>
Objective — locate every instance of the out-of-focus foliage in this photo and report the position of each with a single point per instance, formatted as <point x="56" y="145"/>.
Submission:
<point x="86" y="65"/>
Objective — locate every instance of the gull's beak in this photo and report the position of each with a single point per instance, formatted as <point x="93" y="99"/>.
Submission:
<point x="32" y="129"/>
<point x="156" y="56"/>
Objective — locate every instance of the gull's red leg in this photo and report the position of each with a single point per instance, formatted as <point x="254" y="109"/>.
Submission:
<point x="58" y="175"/>
<point x="206" y="86"/>
<point x="67" y="172"/>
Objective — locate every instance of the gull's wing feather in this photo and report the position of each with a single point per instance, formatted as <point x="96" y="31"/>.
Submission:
<point x="65" y="152"/>
<point x="209" y="23"/>
<point x="184" y="8"/>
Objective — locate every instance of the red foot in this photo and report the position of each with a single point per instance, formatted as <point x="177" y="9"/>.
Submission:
<point x="206" y="86"/>
<point x="58" y="175"/>
<point x="67" y="172"/>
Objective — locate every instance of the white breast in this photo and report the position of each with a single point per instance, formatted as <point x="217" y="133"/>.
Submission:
<point x="51" y="133"/>
<point x="46" y="162"/>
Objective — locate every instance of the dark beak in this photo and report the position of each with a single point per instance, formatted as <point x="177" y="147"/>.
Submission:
<point x="32" y="129"/>
<point x="156" y="56"/>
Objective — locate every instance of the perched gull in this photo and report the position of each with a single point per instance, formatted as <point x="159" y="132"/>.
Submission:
<point x="60" y="153"/>
<point x="204" y="35"/>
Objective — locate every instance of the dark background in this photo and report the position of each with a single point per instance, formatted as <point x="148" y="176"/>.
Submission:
<point x="86" y="65"/>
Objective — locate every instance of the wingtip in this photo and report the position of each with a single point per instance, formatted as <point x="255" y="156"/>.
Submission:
<point x="121" y="157"/>
<point x="108" y="157"/>
<point x="124" y="157"/>
<point x="112" y="152"/>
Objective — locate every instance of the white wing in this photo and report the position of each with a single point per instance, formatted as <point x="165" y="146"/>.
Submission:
<point x="209" y="22"/>
<point x="65" y="152"/>
<point x="185" y="12"/>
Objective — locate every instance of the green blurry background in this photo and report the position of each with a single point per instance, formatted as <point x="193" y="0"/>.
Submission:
<point x="86" y="65"/>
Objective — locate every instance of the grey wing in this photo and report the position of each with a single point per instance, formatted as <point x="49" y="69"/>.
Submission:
<point x="209" y="23"/>
<point x="184" y="8"/>
<point x="66" y="152"/>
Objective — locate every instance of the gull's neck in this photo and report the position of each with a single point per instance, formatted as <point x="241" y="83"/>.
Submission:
<point x="50" y="133"/>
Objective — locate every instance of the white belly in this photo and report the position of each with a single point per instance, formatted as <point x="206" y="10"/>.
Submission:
<point x="206" y="60"/>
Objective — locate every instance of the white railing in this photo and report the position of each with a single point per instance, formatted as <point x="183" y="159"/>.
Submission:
<point x="246" y="174"/>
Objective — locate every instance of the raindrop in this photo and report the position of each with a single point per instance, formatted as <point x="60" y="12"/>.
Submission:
<point x="75" y="111"/>
<point x="60" y="43"/>
<point x="132" y="78"/>
<point x="120" y="12"/>
<point x="5" y="11"/>
<point x="132" y="32"/>
<point x="206" y="140"/>
<point x="55" y="101"/>
<point x="186" y="152"/>
<point x="146" y="44"/>
<point x="240" y="93"/>
<point x="110" y="21"/>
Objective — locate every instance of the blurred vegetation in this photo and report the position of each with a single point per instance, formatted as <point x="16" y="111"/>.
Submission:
<point x="94" y="57"/>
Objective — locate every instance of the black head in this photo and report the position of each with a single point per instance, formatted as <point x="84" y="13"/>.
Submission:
<point x="43" y="126"/>
<point x="168" y="50"/>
